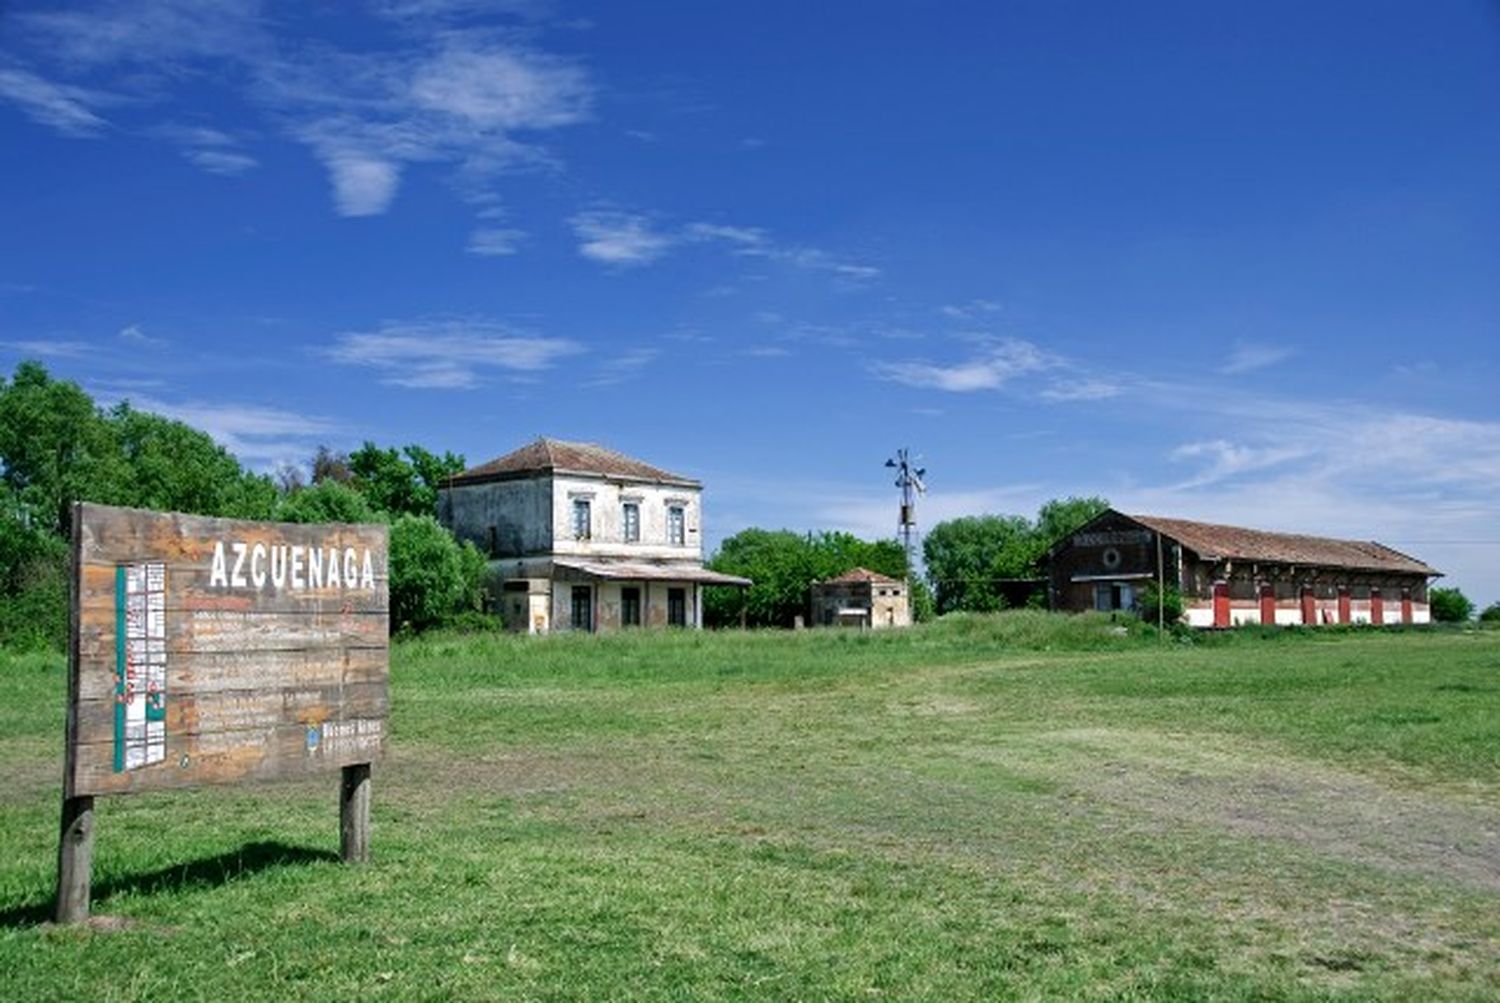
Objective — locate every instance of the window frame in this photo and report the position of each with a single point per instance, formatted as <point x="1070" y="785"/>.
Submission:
<point x="583" y="529"/>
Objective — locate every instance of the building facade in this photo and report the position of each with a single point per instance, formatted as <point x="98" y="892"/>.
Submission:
<point x="1229" y="575"/>
<point x="580" y="537"/>
<point x="860" y="598"/>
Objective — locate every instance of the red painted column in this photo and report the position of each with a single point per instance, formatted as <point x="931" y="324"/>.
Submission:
<point x="1406" y="606"/>
<point x="1309" y="607"/>
<point x="1345" y="614"/>
<point x="1377" y="608"/>
<point x="1221" y="604"/>
<point x="1268" y="604"/>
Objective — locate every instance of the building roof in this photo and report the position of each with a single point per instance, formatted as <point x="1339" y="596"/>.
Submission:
<point x="861" y="575"/>
<point x="626" y="571"/>
<point x="1213" y="541"/>
<point x="556" y="456"/>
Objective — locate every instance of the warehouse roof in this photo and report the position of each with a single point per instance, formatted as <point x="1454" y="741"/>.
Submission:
<point x="557" y="456"/>
<point x="858" y="575"/>
<point x="1213" y="541"/>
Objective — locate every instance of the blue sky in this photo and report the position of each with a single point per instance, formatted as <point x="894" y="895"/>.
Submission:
<point x="1237" y="262"/>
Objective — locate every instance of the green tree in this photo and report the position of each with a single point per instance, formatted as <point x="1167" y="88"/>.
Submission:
<point x="173" y="467"/>
<point x="783" y="565"/>
<point x="1450" y="605"/>
<point x="404" y="481"/>
<point x="326" y="501"/>
<point x="966" y="556"/>
<point x="1172" y="606"/>
<point x="434" y="578"/>
<point x="1491" y="613"/>
<point x="1061" y="517"/>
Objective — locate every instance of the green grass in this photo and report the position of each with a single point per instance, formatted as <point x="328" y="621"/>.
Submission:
<point x="1019" y="806"/>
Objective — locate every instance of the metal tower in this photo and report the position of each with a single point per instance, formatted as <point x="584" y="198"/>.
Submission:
<point x="909" y="480"/>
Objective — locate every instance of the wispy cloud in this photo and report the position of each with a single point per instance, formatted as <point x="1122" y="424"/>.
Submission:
<point x="1081" y="389"/>
<point x="211" y="149"/>
<point x="998" y="364"/>
<point x="436" y="90"/>
<point x="623" y="367"/>
<point x="971" y="310"/>
<point x="47" y="348"/>
<point x="495" y="241"/>
<point x="619" y="238"/>
<point x="134" y="334"/>
<point x="1222" y="459"/>
<point x="448" y="354"/>
<point x="1250" y="356"/>
<point x="60" y="106"/>
<point x="261" y="436"/>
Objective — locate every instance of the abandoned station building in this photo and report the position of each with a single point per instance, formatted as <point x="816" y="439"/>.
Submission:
<point x="860" y="598"/>
<point x="580" y="537"/>
<point x="1229" y="576"/>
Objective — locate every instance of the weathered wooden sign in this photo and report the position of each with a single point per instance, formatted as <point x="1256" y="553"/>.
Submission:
<point x="217" y="650"/>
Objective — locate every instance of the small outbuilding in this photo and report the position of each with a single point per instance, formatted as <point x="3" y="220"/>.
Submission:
<point x="1229" y="575"/>
<point x="861" y="598"/>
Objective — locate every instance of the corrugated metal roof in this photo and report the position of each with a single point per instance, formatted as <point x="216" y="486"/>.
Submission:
<point x="1238" y="543"/>
<point x="861" y="575"/>
<point x="557" y="456"/>
<point x="639" y="572"/>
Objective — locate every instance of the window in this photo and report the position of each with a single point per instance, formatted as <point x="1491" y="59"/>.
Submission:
<point x="582" y="519"/>
<point x="676" y="526"/>
<point x="583" y="607"/>
<point x="631" y="517"/>
<point x="677" y="606"/>
<point x="630" y="607"/>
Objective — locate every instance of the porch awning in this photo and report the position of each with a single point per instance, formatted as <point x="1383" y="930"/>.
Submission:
<point x="622" y="571"/>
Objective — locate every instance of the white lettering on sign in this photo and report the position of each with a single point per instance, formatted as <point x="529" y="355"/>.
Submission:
<point x="1119" y="537"/>
<point x="297" y="565"/>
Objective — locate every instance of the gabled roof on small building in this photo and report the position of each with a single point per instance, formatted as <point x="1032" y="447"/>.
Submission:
<point x="1213" y="542"/>
<point x="558" y="456"/>
<point x="861" y="575"/>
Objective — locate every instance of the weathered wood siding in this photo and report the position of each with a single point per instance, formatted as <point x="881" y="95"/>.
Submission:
<point x="250" y="667"/>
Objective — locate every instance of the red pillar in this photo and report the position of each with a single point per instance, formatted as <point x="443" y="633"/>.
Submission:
<point x="1406" y="606"/>
<point x="1345" y="615"/>
<point x="1309" y="607"/>
<point x="1268" y="604"/>
<point x="1377" y="608"/>
<point x="1221" y="604"/>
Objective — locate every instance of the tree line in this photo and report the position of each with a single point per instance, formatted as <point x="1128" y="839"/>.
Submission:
<point x="58" y="446"/>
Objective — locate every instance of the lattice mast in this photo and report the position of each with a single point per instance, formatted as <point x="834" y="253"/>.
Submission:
<point x="909" y="480"/>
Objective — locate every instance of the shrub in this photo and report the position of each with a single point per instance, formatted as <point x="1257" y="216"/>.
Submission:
<point x="1450" y="606"/>
<point x="433" y="577"/>
<point x="1491" y="613"/>
<point x="1171" y="604"/>
<point x="326" y="501"/>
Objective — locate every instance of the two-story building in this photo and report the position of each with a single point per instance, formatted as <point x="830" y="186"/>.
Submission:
<point x="580" y="537"/>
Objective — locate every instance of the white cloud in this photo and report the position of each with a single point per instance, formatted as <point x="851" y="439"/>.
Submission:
<point x="134" y="334"/>
<point x="1081" y="389"/>
<point x="60" y="106"/>
<point x="619" y="238"/>
<point x="1000" y="363"/>
<point x="51" y="349"/>
<point x="259" y="435"/>
<point x="623" y="367"/>
<point x="211" y="149"/>
<point x="970" y="310"/>
<point x="1250" y="356"/>
<point x="1224" y="459"/>
<point x="494" y="241"/>
<point x="447" y="355"/>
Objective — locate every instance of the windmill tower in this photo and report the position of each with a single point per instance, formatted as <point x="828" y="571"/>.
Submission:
<point x="909" y="480"/>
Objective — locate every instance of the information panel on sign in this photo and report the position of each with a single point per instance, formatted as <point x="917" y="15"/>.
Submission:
<point x="213" y="650"/>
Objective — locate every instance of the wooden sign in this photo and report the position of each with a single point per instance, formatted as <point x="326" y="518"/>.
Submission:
<point x="219" y="650"/>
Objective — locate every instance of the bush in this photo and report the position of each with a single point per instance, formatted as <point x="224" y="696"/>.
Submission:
<point x="1450" y="606"/>
<point x="1491" y="613"/>
<point x="326" y="501"/>
<point x="434" y="578"/>
<point x="1172" y="606"/>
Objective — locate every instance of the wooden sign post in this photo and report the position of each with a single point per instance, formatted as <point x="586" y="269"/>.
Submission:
<point x="217" y="650"/>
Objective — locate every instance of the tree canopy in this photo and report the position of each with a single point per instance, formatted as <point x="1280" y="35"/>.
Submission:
<point x="969" y="559"/>
<point x="783" y="564"/>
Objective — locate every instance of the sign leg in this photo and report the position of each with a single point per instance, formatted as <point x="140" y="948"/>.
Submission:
<point x="354" y="814"/>
<point x="75" y="860"/>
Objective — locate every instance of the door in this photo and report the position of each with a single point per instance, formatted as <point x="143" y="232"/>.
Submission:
<point x="1268" y="604"/>
<point x="1221" y="604"/>
<point x="676" y="607"/>
<point x="1406" y="605"/>
<point x="630" y="607"/>
<point x="1309" y="607"/>
<point x="583" y="608"/>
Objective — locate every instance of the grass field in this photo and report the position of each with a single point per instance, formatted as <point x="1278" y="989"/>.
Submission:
<point x="1000" y="807"/>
